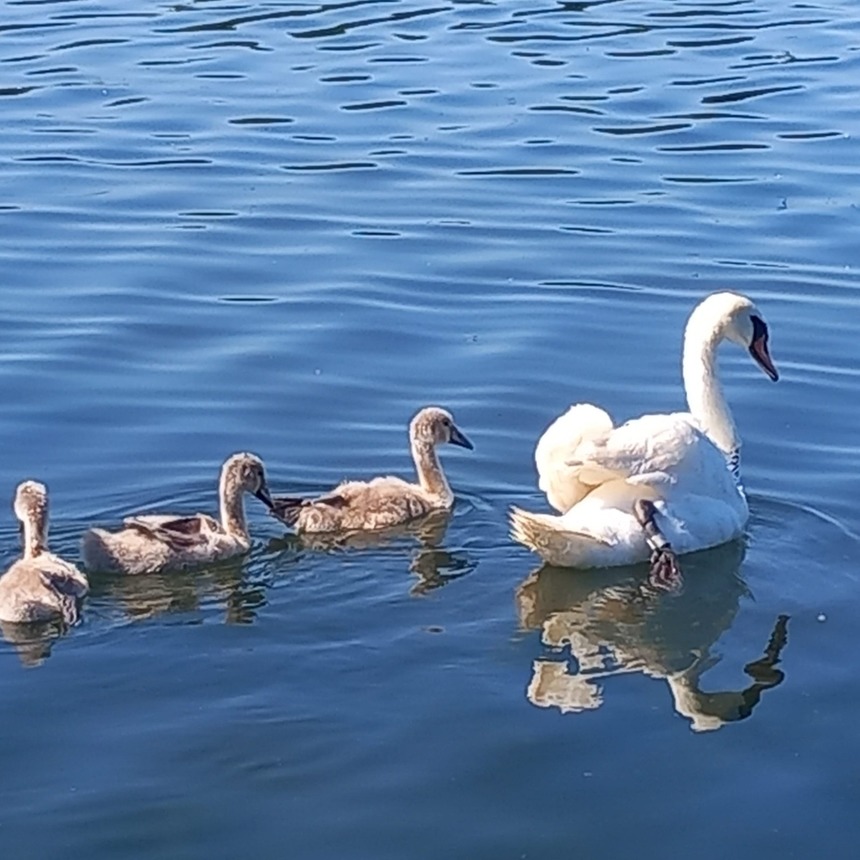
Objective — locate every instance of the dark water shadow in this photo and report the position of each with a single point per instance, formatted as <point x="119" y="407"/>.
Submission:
<point x="612" y="622"/>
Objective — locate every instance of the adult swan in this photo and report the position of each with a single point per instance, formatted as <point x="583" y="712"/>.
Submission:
<point x="660" y="485"/>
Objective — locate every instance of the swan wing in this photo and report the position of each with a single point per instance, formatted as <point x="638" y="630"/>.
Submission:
<point x="653" y="447"/>
<point x="559" y="444"/>
<point x="153" y="521"/>
<point x="176" y="532"/>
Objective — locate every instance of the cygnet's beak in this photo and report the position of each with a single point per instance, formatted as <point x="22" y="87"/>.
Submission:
<point x="459" y="438"/>
<point x="759" y="350"/>
<point x="263" y="495"/>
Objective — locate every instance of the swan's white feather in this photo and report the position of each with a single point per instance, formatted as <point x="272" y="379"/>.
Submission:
<point x="559" y="444"/>
<point x="652" y="443"/>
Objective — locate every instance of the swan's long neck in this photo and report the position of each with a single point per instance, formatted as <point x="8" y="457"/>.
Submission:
<point x="430" y="475"/>
<point x="232" y="498"/>
<point x="705" y="397"/>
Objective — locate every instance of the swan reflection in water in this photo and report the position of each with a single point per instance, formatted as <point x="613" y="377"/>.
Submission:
<point x="431" y="563"/>
<point x="614" y="623"/>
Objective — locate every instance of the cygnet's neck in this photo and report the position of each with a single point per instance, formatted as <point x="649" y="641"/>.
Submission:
<point x="34" y="534"/>
<point x="430" y="475"/>
<point x="233" y="519"/>
<point x="705" y="398"/>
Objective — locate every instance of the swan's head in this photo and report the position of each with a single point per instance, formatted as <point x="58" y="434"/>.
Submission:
<point x="710" y="711"/>
<point x="734" y="317"/>
<point x="435" y="426"/>
<point x="245" y="473"/>
<point x="31" y="509"/>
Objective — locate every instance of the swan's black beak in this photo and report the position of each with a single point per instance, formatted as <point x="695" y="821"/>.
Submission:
<point x="759" y="350"/>
<point x="458" y="438"/>
<point x="263" y="495"/>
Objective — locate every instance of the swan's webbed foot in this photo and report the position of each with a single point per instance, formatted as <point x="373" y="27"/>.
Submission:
<point x="665" y="573"/>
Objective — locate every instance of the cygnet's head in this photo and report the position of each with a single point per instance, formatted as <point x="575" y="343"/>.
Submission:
<point x="246" y="472"/>
<point x="31" y="500"/>
<point x="735" y="318"/>
<point x="435" y="426"/>
<point x="31" y="508"/>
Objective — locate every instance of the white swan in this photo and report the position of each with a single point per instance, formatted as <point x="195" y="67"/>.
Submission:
<point x="657" y="485"/>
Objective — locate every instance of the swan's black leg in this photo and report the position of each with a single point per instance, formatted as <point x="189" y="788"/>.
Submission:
<point x="665" y="572"/>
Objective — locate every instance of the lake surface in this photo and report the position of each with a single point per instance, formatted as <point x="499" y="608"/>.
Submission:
<point x="283" y="227"/>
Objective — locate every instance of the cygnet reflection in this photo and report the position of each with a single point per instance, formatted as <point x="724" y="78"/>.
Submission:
<point x="432" y="564"/>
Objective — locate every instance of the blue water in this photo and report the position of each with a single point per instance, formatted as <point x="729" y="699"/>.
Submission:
<point x="284" y="227"/>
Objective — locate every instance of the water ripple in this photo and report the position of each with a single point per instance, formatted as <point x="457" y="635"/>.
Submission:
<point x="344" y="27"/>
<point x="233" y="43"/>
<point x="566" y="109"/>
<point x="713" y="42"/>
<point x="645" y="129"/>
<point x="520" y="171"/>
<point x="261" y="120"/>
<point x="156" y="162"/>
<point x="16" y="91"/>
<point x="745" y="95"/>
<point x="88" y="43"/>
<point x="330" y="166"/>
<point x="716" y="147"/>
<point x="382" y="104"/>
